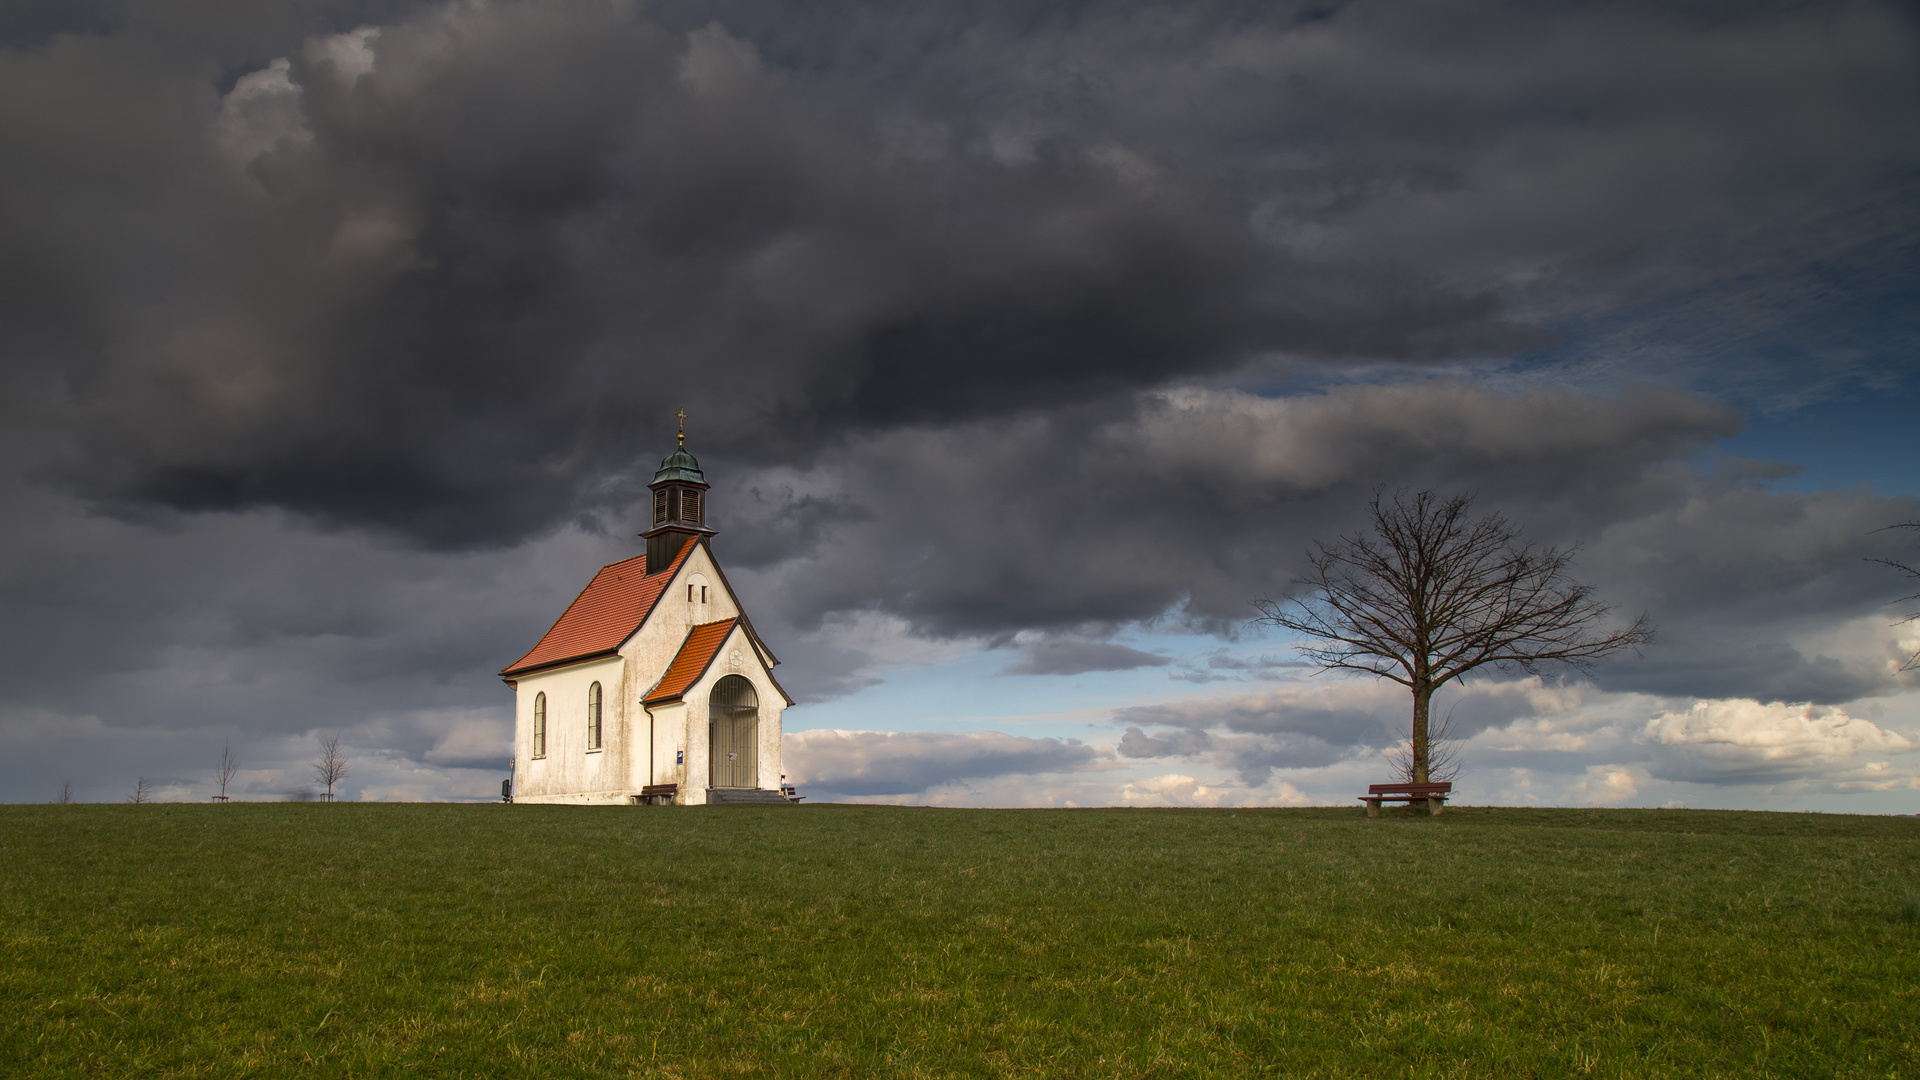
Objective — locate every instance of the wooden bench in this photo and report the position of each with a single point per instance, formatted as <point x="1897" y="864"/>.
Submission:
<point x="657" y="795"/>
<point x="792" y="793"/>
<point x="1434" y="795"/>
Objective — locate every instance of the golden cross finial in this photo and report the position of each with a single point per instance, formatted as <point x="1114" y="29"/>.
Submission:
<point x="682" y="414"/>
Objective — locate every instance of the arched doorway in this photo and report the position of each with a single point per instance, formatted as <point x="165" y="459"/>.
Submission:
<point x="733" y="734"/>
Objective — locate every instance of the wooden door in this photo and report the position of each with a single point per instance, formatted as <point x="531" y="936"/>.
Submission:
<point x="733" y="734"/>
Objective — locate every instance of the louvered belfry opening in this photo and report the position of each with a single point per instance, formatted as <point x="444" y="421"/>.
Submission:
<point x="676" y="504"/>
<point x="733" y="734"/>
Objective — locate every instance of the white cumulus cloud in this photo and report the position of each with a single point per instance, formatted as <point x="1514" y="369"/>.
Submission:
<point x="1743" y="742"/>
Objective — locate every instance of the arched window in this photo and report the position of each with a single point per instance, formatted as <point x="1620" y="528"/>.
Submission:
<point x="733" y="734"/>
<point x="593" y="717"/>
<point x="540" y="725"/>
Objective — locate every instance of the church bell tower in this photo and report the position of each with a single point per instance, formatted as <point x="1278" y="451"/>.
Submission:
<point x="679" y="505"/>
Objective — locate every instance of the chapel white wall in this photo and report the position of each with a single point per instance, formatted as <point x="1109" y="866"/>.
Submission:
<point x="570" y="772"/>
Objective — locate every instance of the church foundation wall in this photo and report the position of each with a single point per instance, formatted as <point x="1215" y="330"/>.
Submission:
<point x="583" y="798"/>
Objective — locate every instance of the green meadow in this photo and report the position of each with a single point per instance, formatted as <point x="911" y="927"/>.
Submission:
<point x="524" y="941"/>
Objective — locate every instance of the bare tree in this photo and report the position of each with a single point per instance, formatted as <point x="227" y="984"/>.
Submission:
<point x="225" y="768"/>
<point x="141" y="793"/>
<point x="1429" y="594"/>
<point x="1912" y="572"/>
<point x="65" y="798"/>
<point x="331" y="766"/>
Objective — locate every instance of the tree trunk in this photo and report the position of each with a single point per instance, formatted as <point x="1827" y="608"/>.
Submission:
<point x="1422" y="746"/>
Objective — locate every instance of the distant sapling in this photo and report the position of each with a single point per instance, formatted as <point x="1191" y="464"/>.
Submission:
<point x="331" y="766"/>
<point x="224" y="770"/>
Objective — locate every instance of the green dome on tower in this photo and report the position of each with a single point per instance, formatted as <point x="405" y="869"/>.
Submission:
<point x="679" y="465"/>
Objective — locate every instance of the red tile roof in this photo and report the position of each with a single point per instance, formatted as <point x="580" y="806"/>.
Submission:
<point x="603" y="616"/>
<point x="695" y="656"/>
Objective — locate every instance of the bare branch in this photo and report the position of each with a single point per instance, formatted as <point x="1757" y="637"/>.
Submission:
<point x="1912" y="572"/>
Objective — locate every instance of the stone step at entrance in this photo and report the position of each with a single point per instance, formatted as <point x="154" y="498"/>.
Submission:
<point x="730" y="796"/>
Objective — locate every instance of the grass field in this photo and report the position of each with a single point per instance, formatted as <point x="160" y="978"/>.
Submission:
<point x="492" y="941"/>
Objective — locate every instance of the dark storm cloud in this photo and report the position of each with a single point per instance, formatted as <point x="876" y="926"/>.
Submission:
<point x="1180" y="742"/>
<point x="900" y="763"/>
<point x="1261" y="715"/>
<point x="769" y="524"/>
<point x="1222" y="666"/>
<point x="1252" y="735"/>
<point x="441" y="275"/>
<point x="1312" y="725"/>
<point x="225" y="621"/>
<point x="1184" y="510"/>
<point x="1251" y="759"/>
<point x="1752" y="585"/>
<point x="1073" y="656"/>
<point x="1652" y="180"/>
<point x="446" y="278"/>
<point x="1200" y="500"/>
<point x="142" y="647"/>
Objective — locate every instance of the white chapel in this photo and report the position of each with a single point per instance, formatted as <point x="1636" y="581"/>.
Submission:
<point x="652" y="686"/>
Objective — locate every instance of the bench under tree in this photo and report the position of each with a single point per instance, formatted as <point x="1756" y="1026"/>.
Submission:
<point x="1434" y="795"/>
